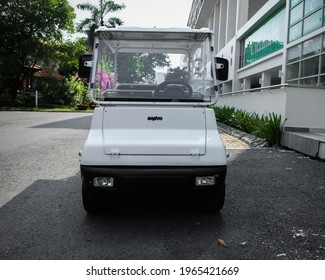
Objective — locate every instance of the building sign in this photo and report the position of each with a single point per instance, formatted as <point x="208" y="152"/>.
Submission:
<point x="267" y="38"/>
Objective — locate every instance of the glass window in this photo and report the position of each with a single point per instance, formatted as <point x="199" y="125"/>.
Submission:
<point x="309" y="81"/>
<point x="296" y="14"/>
<point x="294" y="2"/>
<point x="312" y="5"/>
<point x="295" y="32"/>
<point x="311" y="47"/>
<point x="310" y="67"/>
<point x="313" y="22"/>
<point x="294" y="53"/>
<point x="293" y="71"/>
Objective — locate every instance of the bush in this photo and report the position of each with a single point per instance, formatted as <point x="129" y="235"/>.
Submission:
<point x="54" y="92"/>
<point x="268" y="127"/>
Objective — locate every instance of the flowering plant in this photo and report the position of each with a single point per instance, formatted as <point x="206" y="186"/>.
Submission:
<point x="105" y="80"/>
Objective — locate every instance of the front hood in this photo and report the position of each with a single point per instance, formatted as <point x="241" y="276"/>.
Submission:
<point x="154" y="131"/>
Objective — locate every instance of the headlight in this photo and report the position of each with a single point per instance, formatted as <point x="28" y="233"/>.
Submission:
<point x="103" y="182"/>
<point x="205" y="181"/>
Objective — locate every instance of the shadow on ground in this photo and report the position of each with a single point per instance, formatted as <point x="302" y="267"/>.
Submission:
<point x="274" y="210"/>
<point x="76" y="123"/>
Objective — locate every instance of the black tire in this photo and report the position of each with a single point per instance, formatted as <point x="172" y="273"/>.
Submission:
<point x="212" y="201"/>
<point x="93" y="202"/>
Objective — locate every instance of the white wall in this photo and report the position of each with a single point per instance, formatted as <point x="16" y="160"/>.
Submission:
<point x="261" y="102"/>
<point x="305" y="107"/>
<point x="302" y="107"/>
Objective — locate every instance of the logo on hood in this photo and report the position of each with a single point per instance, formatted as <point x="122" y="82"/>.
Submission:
<point x="156" y="118"/>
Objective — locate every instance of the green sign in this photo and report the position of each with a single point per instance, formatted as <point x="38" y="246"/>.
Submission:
<point x="266" y="39"/>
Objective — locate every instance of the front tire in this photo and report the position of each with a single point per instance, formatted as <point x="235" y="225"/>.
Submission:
<point x="212" y="201"/>
<point x="93" y="202"/>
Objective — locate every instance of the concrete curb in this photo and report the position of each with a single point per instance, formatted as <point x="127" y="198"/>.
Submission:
<point x="250" y="139"/>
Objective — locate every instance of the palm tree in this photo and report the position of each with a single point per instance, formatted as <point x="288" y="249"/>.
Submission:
<point x="97" y="18"/>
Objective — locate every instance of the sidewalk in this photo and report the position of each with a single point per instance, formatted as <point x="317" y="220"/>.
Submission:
<point x="232" y="142"/>
<point x="236" y="139"/>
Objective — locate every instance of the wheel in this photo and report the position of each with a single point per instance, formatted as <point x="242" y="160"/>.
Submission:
<point x="213" y="200"/>
<point x="93" y="202"/>
<point x="174" y="89"/>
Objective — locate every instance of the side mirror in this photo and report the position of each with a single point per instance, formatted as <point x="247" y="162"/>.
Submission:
<point x="221" y="68"/>
<point x="85" y="64"/>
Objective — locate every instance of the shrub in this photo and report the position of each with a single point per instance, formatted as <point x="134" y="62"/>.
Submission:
<point x="268" y="127"/>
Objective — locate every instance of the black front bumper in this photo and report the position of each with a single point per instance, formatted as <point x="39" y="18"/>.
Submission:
<point x="131" y="177"/>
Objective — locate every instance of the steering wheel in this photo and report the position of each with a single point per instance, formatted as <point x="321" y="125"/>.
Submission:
<point x="174" y="87"/>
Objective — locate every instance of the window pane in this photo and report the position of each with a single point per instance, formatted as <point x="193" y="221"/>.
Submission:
<point x="311" y="47"/>
<point x="294" y="53"/>
<point x="294" y="2"/>
<point x="312" y="5"/>
<point x="293" y="71"/>
<point x="296" y="14"/>
<point x="310" y="67"/>
<point x="295" y="32"/>
<point x="313" y="22"/>
<point x="309" y="81"/>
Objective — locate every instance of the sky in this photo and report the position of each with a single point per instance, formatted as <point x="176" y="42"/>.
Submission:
<point x="146" y="13"/>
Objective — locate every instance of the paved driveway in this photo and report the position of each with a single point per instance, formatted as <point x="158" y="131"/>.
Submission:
<point x="274" y="204"/>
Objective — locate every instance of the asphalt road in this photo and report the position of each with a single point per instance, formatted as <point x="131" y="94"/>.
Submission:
<point x="274" y="204"/>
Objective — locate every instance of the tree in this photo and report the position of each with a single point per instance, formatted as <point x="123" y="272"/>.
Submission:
<point x="97" y="19"/>
<point x="68" y="55"/>
<point x="177" y="74"/>
<point x="29" y="31"/>
<point x="134" y="67"/>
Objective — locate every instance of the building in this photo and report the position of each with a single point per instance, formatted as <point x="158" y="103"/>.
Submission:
<point x="276" y="53"/>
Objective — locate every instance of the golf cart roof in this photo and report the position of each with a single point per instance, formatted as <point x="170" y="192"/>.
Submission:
<point x="128" y="30"/>
<point x="137" y="37"/>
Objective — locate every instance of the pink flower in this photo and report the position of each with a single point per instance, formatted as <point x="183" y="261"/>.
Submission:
<point x="104" y="79"/>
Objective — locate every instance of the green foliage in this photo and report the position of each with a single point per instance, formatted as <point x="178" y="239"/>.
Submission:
<point x="177" y="74"/>
<point x="139" y="67"/>
<point x="77" y="90"/>
<point x="29" y="32"/>
<point x="67" y="55"/>
<point x="97" y="19"/>
<point x="69" y="91"/>
<point x="271" y="127"/>
<point x="268" y="127"/>
<point x="54" y="91"/>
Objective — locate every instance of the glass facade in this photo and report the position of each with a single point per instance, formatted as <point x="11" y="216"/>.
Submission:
<point x="306" y="62"/>
<point x="305" y="16"/>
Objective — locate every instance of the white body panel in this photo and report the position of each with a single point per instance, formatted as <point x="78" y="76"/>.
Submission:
<point x="124" y="136"/>
<point x="154" y="131"/>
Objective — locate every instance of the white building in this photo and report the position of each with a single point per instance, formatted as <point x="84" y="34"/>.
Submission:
<point x="276" y="53"/>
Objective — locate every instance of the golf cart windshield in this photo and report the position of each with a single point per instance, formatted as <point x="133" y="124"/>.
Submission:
<point x="151" y="65"/>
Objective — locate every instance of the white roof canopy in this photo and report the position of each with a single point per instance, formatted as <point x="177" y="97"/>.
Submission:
<point x="125" y="39"/>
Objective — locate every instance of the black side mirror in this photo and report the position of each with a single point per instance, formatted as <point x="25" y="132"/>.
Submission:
<point x="221" y="68"/>
<point x="85" y="64"/>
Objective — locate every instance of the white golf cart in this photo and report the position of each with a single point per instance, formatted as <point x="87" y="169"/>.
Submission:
<point x="155" y="127"/>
